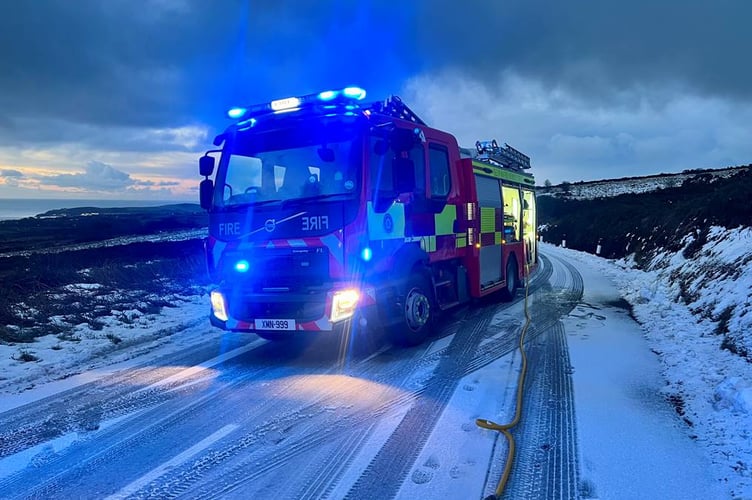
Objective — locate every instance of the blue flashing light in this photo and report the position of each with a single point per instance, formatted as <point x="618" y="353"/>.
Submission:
<point x="366" y="254"/>
<point x="242" y="266"/>
<point x="285" y="104"/>
<point x="354" y="93"/>
<point x="236" y="113"/>
<point x="328" y="95"/>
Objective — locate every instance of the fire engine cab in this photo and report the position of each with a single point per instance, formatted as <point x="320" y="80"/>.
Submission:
<point x="330" y="214"/>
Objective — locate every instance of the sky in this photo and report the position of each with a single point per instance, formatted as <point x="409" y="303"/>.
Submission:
<point x="104" y="100"/>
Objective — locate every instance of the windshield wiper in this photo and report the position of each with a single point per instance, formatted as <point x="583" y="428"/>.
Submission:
<point x="306" y="199"/>
<point x="238" y="206"/>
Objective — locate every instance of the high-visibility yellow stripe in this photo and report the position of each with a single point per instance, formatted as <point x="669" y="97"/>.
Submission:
<point x="444" y="221"/>
<point x="487" y="219"/>
<point x="428" y="243"/>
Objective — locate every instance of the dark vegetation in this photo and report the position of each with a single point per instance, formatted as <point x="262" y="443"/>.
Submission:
<point x="672" y="219"/>
<point x="48" y="290"/>
<point x="641" y="224"/>
<point x="74" y="225"/>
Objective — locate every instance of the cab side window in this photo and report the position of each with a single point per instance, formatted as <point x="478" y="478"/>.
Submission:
<point x="380" y="165"/>
<point x="438" y="164"/>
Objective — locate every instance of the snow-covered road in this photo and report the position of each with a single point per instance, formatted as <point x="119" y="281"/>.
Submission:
<point x="211" y="415"/>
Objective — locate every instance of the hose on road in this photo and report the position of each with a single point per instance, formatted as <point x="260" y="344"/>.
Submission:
<point x="505" y="429"/>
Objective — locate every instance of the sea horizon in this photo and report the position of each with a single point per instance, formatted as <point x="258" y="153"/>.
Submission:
<point x="20" y="208"/>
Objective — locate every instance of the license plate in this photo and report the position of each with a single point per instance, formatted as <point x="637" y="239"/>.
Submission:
<point x="275" y="324"/>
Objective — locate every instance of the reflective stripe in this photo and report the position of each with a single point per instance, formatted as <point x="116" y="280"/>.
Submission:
<point x="444" y="221"/>
<point x="388" y="225"/>
<point x="487" y="220"/>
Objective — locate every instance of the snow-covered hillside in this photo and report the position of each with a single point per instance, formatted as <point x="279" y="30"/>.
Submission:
<point x="614" y="187"/>
<point x="715" y="284"/>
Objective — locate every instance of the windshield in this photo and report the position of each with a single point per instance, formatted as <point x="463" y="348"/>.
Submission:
<point x="279" y="166"/>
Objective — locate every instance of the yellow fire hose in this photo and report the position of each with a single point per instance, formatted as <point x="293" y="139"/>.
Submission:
<point x="505" y="429"/>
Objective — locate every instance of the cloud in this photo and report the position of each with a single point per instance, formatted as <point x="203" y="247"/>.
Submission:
<point x="10" y="173"/>
<point x="568" y="138"/>
<point x="588" y="88"/>
<point x="97" y="176"/>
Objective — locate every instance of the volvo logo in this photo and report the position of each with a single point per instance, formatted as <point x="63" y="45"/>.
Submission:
<point x="388" y="223"/>
<point x="270" y="225"/>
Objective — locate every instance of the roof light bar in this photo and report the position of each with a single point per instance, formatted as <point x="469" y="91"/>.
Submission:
<point x="330" y="98"/>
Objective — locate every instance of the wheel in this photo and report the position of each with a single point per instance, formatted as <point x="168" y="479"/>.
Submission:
<point x="507" y="294"/>
<point x="416" y="312"/>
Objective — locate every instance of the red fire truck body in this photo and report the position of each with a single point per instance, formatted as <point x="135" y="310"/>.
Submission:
<point x="329" y="214"/>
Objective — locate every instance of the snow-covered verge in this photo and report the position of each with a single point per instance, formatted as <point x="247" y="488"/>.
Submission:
<point x="50" y="358"/>
<point x="716" y="284"/>
<point x="709" y="385"/>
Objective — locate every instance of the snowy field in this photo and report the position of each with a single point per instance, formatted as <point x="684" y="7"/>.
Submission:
<point x="632" y="443"/>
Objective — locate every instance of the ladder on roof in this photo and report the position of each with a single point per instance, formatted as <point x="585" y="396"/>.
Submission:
<point x="394" y="107"/>
<point x="490" y="152"/>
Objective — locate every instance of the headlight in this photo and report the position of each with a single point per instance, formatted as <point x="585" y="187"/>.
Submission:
<point x="219" y="306"/>
<point x="344" y="303"/>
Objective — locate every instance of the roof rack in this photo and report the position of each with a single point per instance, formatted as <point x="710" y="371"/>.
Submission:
<point x="394" y="107"/>
<point x="490" y="152"/>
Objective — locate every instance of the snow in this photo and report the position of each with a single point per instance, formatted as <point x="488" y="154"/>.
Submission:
<point x="630" y="439"/>
<point x="635" y="185"/>
<point x="90" y="352"/>
<point x="712" y="384"/>
<point x="632" y="443"/>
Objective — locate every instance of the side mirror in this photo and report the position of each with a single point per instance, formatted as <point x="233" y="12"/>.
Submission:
<point x="206" y="165"/>
<point x="403" y="175"/>
<point x="206" y="192"/>
<point x="402" y="139"/>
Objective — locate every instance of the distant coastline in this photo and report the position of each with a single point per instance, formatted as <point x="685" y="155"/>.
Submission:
<point x="19" y="208"/>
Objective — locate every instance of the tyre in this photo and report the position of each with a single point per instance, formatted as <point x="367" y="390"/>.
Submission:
<point x="416" y="311"/>
<point x="509" y="291"/>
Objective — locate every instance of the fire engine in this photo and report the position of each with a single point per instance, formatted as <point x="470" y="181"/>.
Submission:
<point x="328" y="213"/>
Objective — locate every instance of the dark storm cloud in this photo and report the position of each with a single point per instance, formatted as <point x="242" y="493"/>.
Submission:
<point x="97" y="176"/>
<point x="112" y="62"/>
<point x="117" y="66"/>
<point x="599" y="48"/>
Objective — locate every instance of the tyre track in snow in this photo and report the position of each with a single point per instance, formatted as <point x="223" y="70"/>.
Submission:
<point x="324" y="480"/>
<point x="84" y="407"/>
<point x="234" y="466"/>
<point x="397" y="457"/>
<point x="435" y="384"/>
<point x="547" y="461"/>
<point x="133" y="435"/>
<point x="354" y="426"/>
<point x="88" y="458"/>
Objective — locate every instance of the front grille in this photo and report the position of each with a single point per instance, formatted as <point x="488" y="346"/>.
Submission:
<point x="282" y="306"/>
<point x="282" y="269"/>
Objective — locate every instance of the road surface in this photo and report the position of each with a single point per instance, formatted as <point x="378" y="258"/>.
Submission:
<point x="356" y="420"/>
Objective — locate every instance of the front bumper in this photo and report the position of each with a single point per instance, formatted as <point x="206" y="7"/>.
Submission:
<point x="320" y="311"/>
